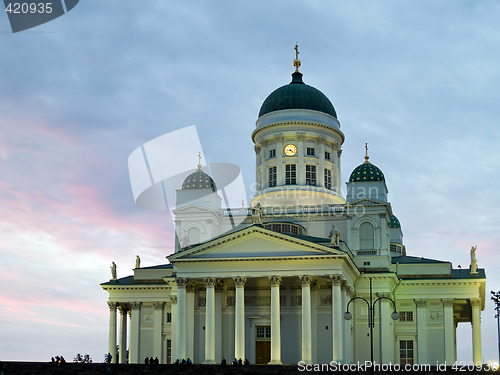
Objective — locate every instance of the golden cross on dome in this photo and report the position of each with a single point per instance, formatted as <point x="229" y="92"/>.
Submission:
<point x="296" y="62"/>
<point x="366" y="155"/>
<point x="199" y="160"/>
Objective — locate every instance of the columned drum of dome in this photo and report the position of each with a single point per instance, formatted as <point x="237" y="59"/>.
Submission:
<point x="301" y="118"/>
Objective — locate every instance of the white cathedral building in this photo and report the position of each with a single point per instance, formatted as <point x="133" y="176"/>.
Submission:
<point x="308" y="274"/>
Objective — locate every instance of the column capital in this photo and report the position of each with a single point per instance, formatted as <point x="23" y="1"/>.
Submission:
<point x="190" y="287"/>
<point x="306" y="280"/>
<point x="240" y="281"/>
<point x="264" y="142"/>
<point x="257" y="148"/>
<point x="275" y="280"/>
<point x="336" y="280"/>
<point x="447" y="302"/>
<point x="301" y="136"/>
<point x="219" y="285"/>
<point x="173" y="299"/>
<point x="279" y="138"/>
<point x="158" y="305"/>
<point x="181" y="282"/>
<point x="210" y="282"/>
<point x="123" y="307"/>
<point x="421" y="302"/>
<point x="112" y="305"/>
<point x="475" y="302"/>
<point x="135" y="305"/>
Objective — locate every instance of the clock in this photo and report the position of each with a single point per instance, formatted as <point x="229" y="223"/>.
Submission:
<point x="290" y="150"/>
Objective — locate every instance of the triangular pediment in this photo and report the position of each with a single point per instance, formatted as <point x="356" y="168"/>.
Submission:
<point x="367" y="202"/>
<point x="256" y="242"/>
<point x="191" y="209"/>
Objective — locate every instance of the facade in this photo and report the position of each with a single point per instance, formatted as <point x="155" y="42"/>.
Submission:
<point x="275" y="288"/>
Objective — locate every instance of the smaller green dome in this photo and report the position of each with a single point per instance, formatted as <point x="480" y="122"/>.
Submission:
<point x="366" y="172"/>
<point x="394" y="222"/>
<point x="199" y="180"/>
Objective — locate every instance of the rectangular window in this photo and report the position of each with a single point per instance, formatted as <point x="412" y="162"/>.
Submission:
<point x="406" y="352"/>
<point x="169" y="352"/>
<point x="310" y="151"/>
<point x="311" y="175"/>
<point x="406" y="316"/>
<point x="272" y="153"/>
<point x="263" y="332"/>
<point x="290" y="174"/>
<point x="327" y="155"/>
<point x="169" y="317"/>
<point x="272" y="176"/>
<point x="328" y="179"/>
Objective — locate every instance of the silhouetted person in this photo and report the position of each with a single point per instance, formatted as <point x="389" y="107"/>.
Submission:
<point x="146" y="361"/>
<point x="235" y="362"/>
<point x="157" y="361"/>
<point x="189" y="362"/>
<point x="223" y="362"/>
<point x="183" y="361"/>
<point x="240" y="362"/>
<point x="247" y="362"/>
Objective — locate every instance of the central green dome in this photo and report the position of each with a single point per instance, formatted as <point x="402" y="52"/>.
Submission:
<point x="297" y="95"/>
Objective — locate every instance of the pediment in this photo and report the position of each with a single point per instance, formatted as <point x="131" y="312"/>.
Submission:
<point x="255" y="242"/>
<point x="191" y="209"/>
<point x="367" y="202"/>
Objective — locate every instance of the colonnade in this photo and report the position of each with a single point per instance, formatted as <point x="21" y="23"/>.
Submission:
<point x="338" y="307"/>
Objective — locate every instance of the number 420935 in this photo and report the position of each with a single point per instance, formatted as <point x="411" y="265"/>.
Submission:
<point x="24" y="8"/>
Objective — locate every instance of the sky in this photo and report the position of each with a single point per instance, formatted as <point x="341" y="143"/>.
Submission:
<point x="417" y="80"/>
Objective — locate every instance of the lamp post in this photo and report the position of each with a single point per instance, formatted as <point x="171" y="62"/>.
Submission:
<point x="371" y="314"/>
<point x="495" y="297"/>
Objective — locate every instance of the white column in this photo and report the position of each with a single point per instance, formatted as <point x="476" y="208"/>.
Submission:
<point x="218" y="320"/>
<point x="173" y="329"/>
<point x="386" y="330"/>
<point x="123" y="333"/>
<point x="210" y="321"/>
<point x="258" y="168"/>
<point x="275" y="321"/>
<point x="280" y="171"/>
<point x="476" y="330"/>
<point x="239" y="318"/>
<point x="181" y="319"/>
<point x="264" y="173"/>
<point x="158" y="331"/>
<point x="337" y="317"/>
<point x="135" y="314"/>
<point x="190" y="294"/>
<point x="301" y="167"/>
<point x="320" y="175"/>
<point x="112" y="331"/>
<point x="421" y="331"/>
<point x="449" y="331"/>
<point x="306" y="319"/>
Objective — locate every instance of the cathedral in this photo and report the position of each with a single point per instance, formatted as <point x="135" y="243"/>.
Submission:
<point x="304" y="273"/>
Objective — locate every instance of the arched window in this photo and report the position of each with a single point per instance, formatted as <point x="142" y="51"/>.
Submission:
<point x="194" y="235"/>
<point x="366" y="236"/>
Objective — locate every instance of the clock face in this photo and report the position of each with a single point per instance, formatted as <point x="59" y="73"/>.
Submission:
<point x="290" y="150"/>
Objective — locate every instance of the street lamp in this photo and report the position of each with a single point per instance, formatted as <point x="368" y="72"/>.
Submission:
<point x="495" y="297"/>
<point x="371" y="314"/>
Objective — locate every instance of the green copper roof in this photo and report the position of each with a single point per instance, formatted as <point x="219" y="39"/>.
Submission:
<point x="199" y="180"/>
<point x="297" y="95"/>
<point x="366" y="172"/>
<point x="394" y="222"/>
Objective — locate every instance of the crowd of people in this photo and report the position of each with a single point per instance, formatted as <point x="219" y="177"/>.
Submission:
<point x="58" y="360"/>
<point x="151" y="361"/>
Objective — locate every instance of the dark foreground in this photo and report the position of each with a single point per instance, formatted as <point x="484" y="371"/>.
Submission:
<point x="36" y="368"/>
